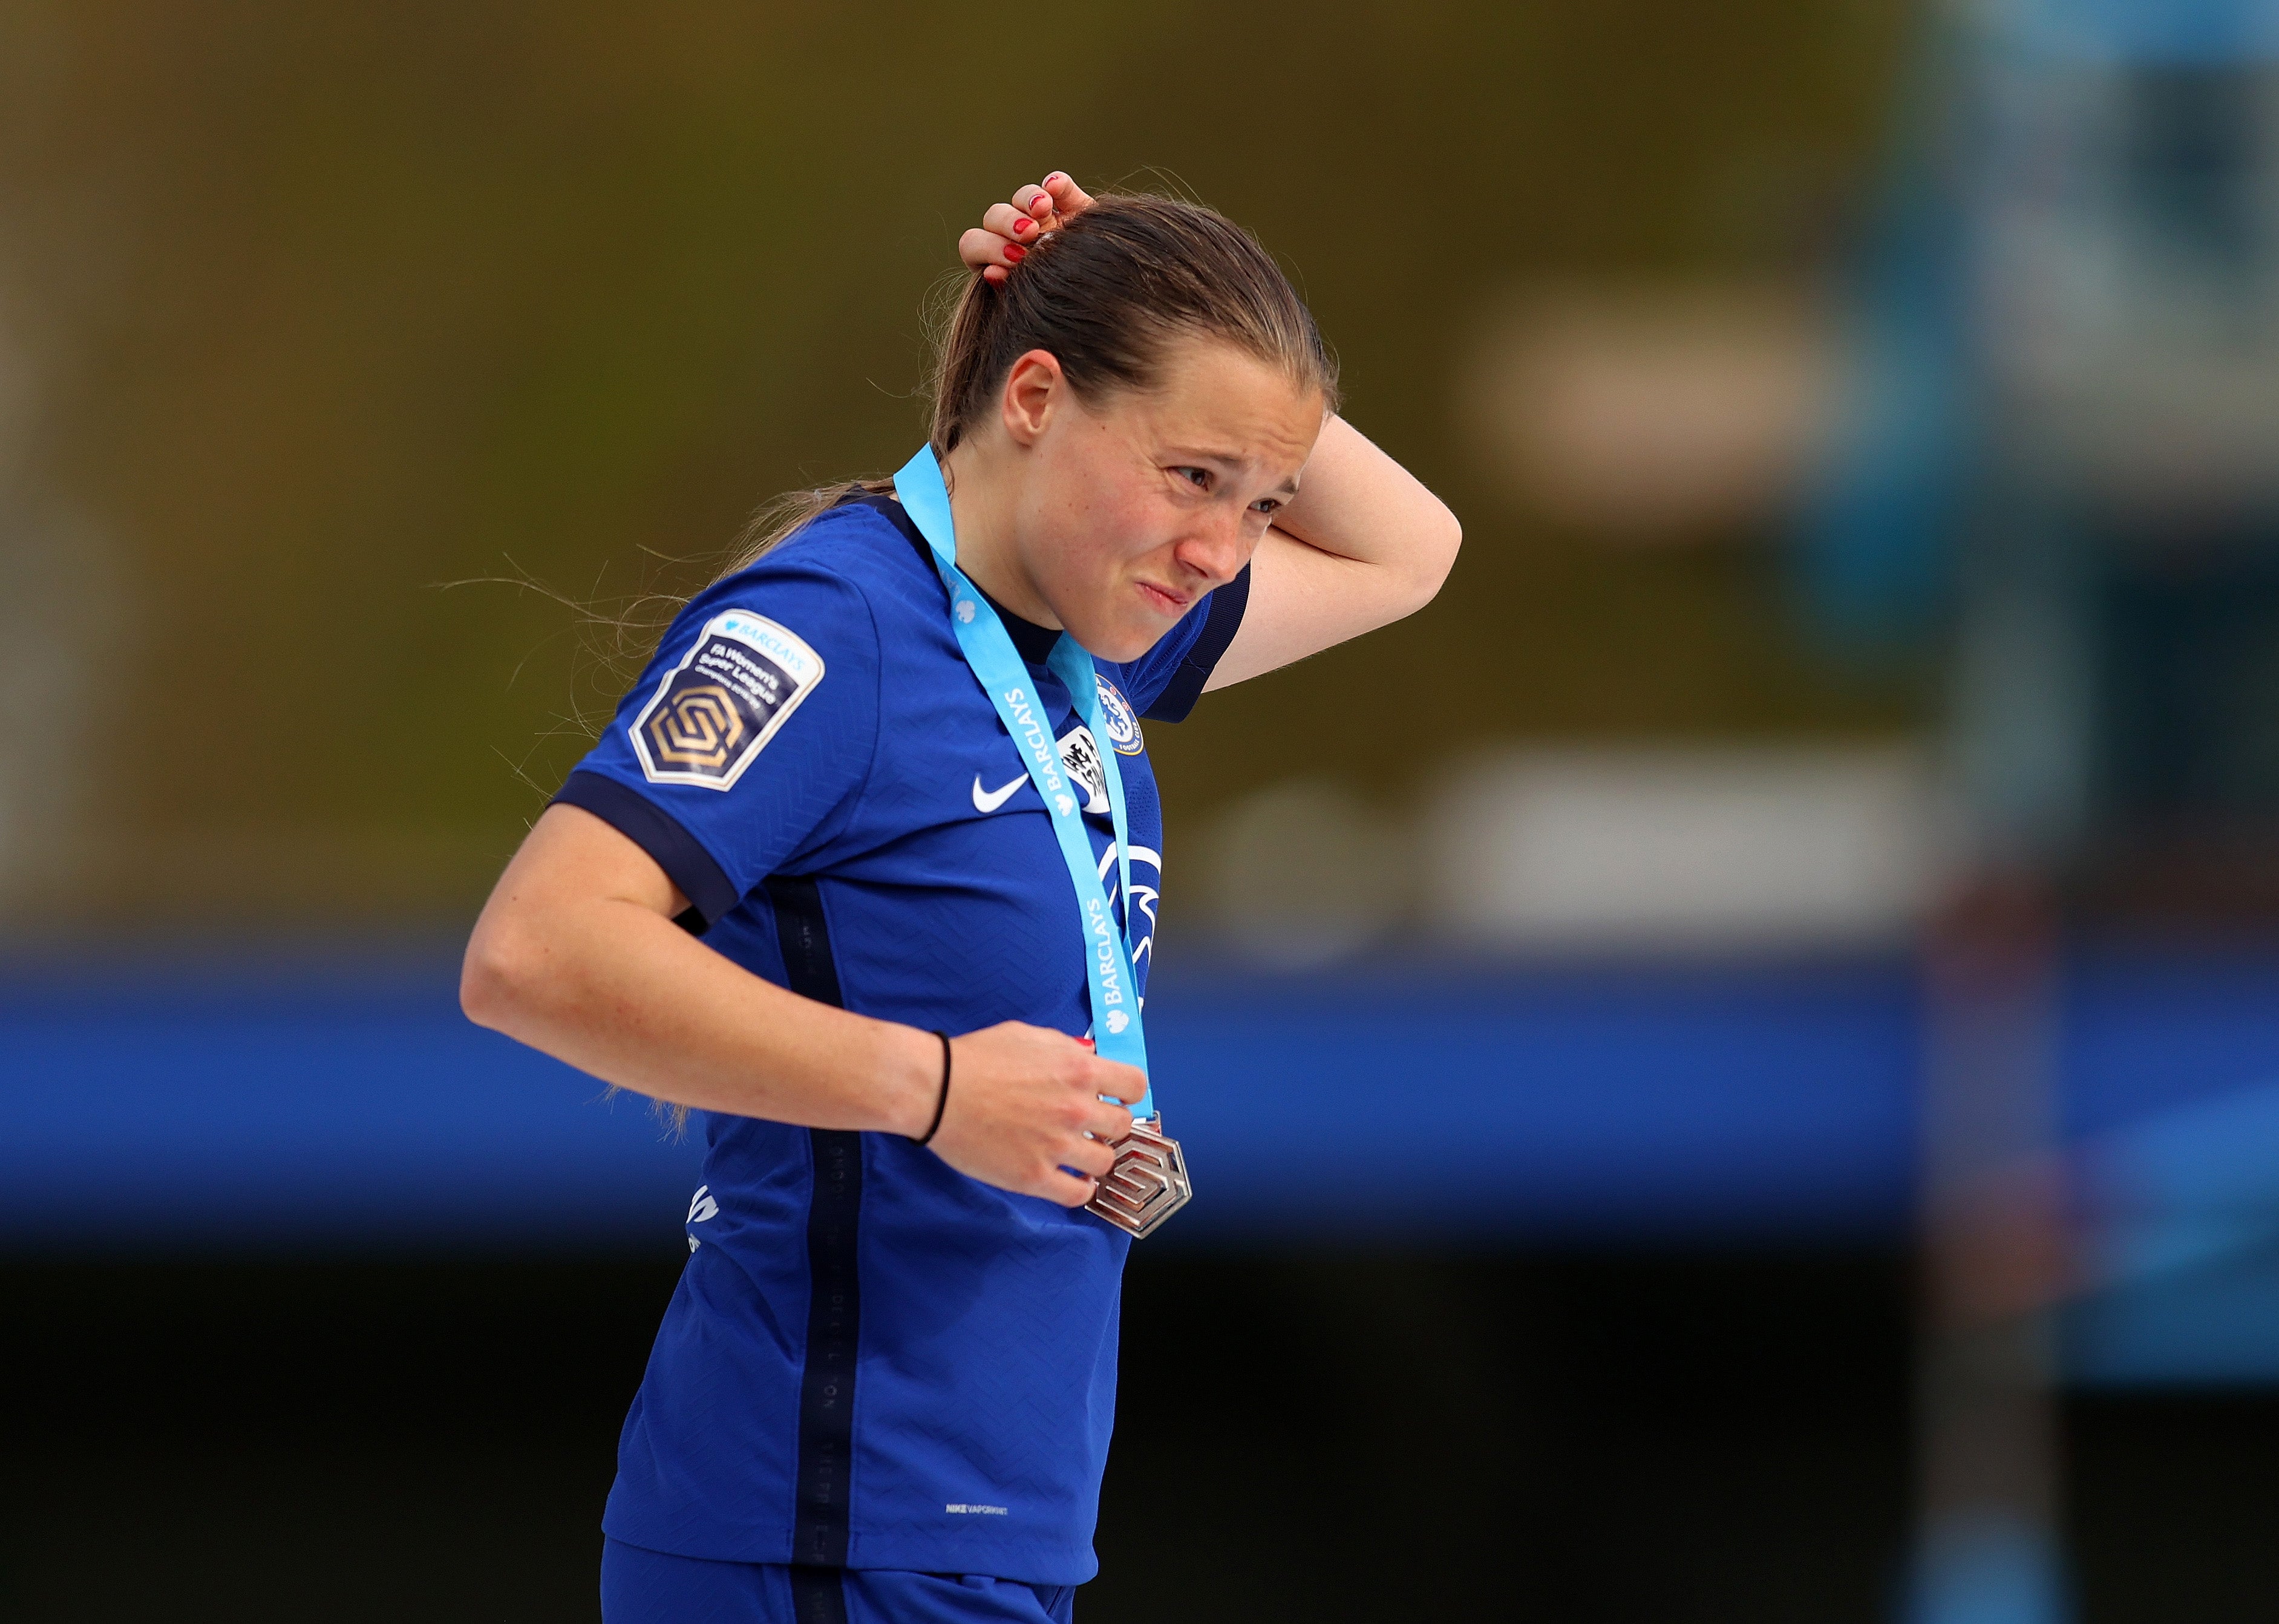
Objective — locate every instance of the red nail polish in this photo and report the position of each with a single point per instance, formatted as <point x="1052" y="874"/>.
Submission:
<point x="1024" y="224"/>
<point x="1015" y="252"/>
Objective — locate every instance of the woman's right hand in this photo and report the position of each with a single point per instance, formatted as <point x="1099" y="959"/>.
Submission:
<point x="1024" y="1106"/>
<point x="1009" y="230"/>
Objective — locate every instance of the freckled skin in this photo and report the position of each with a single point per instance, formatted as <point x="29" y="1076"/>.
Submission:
<point x="1112" y="518"/>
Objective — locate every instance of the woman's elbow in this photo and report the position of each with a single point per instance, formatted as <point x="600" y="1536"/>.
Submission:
<point x="1433" y="555"/>
<point x="497" y="973"/>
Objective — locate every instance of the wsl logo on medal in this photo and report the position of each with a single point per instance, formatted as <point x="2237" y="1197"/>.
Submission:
<point x="1147" y="1184"/>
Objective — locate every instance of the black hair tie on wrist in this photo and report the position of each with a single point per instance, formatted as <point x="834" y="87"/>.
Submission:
<point x="942" y="1104"/>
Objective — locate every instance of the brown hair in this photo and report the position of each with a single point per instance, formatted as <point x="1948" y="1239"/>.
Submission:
<point x="1105" y="294"/>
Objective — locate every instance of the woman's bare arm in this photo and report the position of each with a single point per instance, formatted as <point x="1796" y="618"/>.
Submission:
<point x="577" y="954"/>
<point x="1363" y="544"/>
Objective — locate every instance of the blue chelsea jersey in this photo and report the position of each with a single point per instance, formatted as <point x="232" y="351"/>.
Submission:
<point x="872" y="1361"/>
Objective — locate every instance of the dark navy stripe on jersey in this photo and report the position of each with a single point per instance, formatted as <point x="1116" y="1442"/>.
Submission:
<point x="827" y="1394"/>
<point x="1033" y="643"/>
<point x="818" y="1595"/>
<point x="687" y="864"/>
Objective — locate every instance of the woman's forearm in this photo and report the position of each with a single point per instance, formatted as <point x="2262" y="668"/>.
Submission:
<point x="1363" y="544"/>
<point x="577" y="954"/>
<point x="1358" y="504"/>
<point x="599" y="977"/>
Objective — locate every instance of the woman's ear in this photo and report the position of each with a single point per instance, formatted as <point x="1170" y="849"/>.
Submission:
<point x="1033" y="388"/>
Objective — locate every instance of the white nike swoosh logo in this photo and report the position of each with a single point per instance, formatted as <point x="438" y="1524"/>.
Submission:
<point x="989" y="801"/>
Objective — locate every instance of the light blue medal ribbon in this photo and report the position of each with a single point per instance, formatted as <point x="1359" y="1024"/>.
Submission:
<point x="1117" y="1030"/>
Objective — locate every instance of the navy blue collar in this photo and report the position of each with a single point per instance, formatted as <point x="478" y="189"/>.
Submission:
<point x="1034" y="642"/>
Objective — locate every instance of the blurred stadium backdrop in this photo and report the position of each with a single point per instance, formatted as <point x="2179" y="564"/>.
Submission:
<point x="362" y="367"/>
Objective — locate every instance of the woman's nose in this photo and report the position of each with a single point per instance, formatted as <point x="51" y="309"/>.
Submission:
<point x="1216" y="550"/>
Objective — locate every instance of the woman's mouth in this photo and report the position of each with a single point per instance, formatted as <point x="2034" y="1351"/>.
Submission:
<point x="1162" y="601"/>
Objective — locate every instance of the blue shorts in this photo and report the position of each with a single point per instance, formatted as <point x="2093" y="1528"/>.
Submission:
<point x="649" y="1586"/>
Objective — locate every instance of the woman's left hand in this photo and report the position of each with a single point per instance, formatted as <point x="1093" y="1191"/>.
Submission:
<point x="1008" y="230"/>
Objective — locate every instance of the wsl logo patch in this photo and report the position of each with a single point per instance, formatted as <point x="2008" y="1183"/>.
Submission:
<point x="1122" y="727"/>
<point x="718" y="707"/>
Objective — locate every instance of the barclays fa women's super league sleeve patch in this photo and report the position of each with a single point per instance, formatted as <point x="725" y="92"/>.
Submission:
<point x="718" y="707"/>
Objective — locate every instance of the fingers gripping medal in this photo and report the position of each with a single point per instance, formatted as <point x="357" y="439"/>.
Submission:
<point x="1149" y="1180"/>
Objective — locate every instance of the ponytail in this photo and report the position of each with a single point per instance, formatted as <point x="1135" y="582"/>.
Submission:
<point x="1106" y="295"/>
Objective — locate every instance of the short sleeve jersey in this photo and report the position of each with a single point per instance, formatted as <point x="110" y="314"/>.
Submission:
<point x="872" y="1361"/>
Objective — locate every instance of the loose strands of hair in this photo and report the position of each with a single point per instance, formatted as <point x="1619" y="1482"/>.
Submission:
<point x="1106" y="294"/>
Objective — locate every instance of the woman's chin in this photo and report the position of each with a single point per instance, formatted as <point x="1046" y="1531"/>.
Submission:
<point x="1123" y="638"/>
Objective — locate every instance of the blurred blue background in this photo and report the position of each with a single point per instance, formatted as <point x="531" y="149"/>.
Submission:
<point x="337" y="1101"/>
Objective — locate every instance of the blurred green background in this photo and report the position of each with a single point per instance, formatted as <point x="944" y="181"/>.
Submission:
<point x="309" y="311"/>
<point x="358" y="363"/>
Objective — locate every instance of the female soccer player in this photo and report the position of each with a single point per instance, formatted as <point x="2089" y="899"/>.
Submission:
<point x="891" y="771"/>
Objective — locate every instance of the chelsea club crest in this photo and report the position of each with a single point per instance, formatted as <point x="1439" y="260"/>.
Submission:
<point x="1123" y="725"/>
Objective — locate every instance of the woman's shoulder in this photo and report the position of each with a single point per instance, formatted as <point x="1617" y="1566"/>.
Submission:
<point x="840" y="572"/>
<point x="856" y="551"/>
<point x="828" y="594"/>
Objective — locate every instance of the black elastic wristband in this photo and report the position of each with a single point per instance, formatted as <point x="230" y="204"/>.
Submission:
<point x="942" y="1104"/>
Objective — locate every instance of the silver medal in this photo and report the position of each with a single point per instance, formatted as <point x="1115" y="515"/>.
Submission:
<point x="1147" y="1184"/>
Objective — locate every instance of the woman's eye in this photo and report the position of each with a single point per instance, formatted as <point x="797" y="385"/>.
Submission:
<point x="1199" y="477"/>
<point x="1267" y="505"/>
